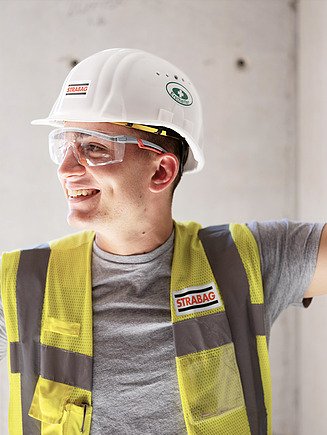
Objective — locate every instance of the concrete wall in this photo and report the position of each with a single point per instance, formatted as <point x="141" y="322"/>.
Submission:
<point x="312" y="182"/>
<point x="241" y="56"/>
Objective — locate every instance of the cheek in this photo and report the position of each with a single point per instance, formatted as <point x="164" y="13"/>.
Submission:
<point x="61" y="181"/>
<point x="124" y="180"/>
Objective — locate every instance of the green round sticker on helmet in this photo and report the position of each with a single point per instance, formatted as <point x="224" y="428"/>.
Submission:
<point x="179" y="93"/>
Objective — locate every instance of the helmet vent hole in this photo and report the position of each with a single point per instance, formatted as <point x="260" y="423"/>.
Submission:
<point x="176" y="77"/>
<point x="167" y="75"/>
<point x="158" y="73"/>
<point x="183" y="80"/>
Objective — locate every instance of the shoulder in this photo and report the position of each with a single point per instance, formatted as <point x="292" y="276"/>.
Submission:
<point x="227" y="237"/>
<point x="69" y="242"/>
<point x="286" y="234"/>
<point x="66" y="242"/>
<point x="72" y="241"/>
<point x="239" y="233"/>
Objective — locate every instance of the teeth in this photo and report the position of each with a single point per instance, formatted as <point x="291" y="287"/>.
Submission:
<point x="83" y="192"/>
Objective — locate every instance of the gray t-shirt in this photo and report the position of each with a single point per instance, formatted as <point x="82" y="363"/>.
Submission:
<point x="135" y="386"/>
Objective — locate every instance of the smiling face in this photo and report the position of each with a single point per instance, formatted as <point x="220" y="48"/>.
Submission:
<point x="115" y="194"/>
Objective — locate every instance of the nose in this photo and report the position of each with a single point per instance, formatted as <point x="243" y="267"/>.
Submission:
<point x="70" y="166"/>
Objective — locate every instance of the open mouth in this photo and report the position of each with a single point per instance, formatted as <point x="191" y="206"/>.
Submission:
<point x="82" y="193"/>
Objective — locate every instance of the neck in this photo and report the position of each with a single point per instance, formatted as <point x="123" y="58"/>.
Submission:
<point x="137" y="239"/>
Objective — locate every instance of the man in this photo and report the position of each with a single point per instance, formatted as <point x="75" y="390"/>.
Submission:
<point x="141" y="325"/>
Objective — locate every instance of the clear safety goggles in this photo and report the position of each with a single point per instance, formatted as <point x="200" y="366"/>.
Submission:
<point x="93" y="148"/>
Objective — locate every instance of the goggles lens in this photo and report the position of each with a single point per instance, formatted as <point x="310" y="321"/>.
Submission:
<point x="93" y="148"/>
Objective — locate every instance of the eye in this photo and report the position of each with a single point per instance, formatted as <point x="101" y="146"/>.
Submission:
<point x="95" y="149"/>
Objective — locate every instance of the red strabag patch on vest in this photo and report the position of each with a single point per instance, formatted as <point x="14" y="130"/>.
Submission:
<point x="194" y="299"/>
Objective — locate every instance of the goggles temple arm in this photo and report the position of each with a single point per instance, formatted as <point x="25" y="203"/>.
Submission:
<point x="159" y="150"/>
<point x="145" y="145"/>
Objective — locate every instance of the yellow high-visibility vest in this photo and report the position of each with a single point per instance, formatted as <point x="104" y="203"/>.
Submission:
<point x="216" y="299"/>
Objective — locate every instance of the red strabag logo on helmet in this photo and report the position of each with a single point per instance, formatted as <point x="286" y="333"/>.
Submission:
<point x="194" y="299"/>
<point x="77" y="89"/>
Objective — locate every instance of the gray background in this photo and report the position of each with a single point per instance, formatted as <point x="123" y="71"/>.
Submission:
<point x="263" y="135"/>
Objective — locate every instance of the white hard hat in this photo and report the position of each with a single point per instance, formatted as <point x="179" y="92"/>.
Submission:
<point x="132" y="86"/>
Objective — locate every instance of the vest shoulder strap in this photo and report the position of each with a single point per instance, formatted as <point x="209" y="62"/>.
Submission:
<point x="234" y="259"/>
<point x="72" y="241"/>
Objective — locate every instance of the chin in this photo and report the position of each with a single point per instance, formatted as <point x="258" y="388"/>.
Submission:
<point x="80" y="223"/>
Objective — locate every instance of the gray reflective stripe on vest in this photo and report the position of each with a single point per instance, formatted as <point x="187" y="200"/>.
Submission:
<point x="57" y="364"/>
<point x="201" y="333"/>
<point x="245" y="320"/>
<point x="30" y="285"/>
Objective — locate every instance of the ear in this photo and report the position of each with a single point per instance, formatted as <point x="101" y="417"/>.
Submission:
<point x="166" y="170"/>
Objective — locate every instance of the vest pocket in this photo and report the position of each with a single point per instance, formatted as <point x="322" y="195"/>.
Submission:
<point x="62" y="327"/>
<point x="49" y="400"/>
<point x="51" y="406"/>
<point x="77" y="419"/>
<point x="210" y="385"/>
